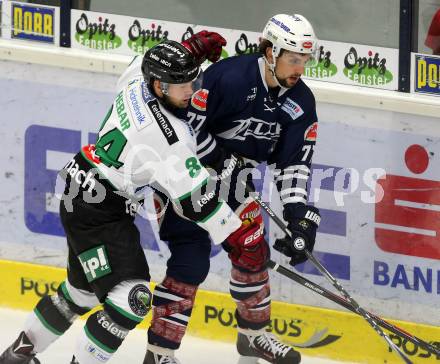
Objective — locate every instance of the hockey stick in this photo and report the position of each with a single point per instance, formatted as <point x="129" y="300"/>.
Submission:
<point x="343" y="302"/>
<point x="330" y="278"/>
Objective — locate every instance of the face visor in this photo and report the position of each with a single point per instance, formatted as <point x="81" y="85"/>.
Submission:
<point x="301" y="59"/>
<point x="183" y="91"/>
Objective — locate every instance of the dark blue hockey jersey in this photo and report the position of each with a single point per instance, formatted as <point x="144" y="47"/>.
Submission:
<point x="237" y="111"/>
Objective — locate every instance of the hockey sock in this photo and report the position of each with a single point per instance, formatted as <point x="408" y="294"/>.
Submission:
<point x="172" y="307"/>
<point x="105" y="330"/>
<point x="100" y="339"/>
<point x="251" y="293"/>
<point x="51" y="318"/>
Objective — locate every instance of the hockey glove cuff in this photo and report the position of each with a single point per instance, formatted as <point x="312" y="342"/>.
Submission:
<point x="303" y="221"/>
<point x="247" y="247"/>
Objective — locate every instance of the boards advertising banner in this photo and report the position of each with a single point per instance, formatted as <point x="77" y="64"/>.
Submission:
<point x="345" y="63"/>
<point x="31" y="22"/>
<point x="426" y="70"/>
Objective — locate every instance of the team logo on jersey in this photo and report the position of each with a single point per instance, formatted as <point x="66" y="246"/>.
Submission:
<point x="200" y="99"/>
<point x="292" y="108"/>
<point x="252" y="95"/>
<point x="253" y="127"/>
<point x="311" y="133"/>
<point x="139" y="300"/>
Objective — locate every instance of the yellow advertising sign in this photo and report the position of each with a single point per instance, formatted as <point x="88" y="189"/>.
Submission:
<point x="313" y="331"/>
<point x="33" y="22"/>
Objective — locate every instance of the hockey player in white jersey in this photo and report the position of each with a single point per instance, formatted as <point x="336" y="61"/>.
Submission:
<point x="140" y="143"/>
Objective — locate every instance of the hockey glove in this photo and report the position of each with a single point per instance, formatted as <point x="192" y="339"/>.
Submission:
<point x="223" y="164"/>
<point x="302" y="221"/>
<point x="247" y="247"/>
<point x="232" y="174"/>
<point x="205" y="45"/>
<point x="231" y="166"/>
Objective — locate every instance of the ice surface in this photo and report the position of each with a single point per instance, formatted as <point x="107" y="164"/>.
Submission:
<point x="193" y="350"/>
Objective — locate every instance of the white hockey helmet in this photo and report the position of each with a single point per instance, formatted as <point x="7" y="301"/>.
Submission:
<point x="291" y="32"/>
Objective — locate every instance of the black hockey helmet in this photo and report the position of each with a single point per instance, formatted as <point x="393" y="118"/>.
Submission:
<point x="169" y="62"/>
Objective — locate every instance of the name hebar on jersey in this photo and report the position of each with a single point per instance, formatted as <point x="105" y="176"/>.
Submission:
<point x="163" y="122"/>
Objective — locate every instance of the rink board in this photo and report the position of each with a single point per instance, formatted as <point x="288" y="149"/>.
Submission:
<point x="316" y="331"/>
<point x="387" y="254"/>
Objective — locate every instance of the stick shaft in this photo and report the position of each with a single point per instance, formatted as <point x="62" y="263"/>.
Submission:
<point x="344" y="303"/>
<point x="330" y="278"/>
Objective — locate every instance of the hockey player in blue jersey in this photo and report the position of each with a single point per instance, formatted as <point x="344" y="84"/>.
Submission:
<point x="255" y="108"/>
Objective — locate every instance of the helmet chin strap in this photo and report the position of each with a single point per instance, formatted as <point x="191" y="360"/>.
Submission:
<point x="272" y="70"/>
<point x="275" y="53"/>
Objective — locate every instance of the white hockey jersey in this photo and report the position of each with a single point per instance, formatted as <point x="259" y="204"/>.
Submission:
<point x="142" y="143"/>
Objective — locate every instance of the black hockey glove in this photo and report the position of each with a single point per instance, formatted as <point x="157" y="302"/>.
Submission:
<point x="231" y="171"/>
<point x="225" y="164"/>
<point x="302" y="221"/>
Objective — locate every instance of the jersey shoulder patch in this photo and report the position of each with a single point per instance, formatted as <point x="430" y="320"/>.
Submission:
<point x="199" y="99"/>
<point x="311" y="132"/>
<point x="137" y="95"/>
<point x="292" y="108"/>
